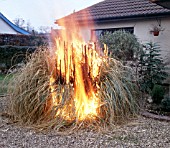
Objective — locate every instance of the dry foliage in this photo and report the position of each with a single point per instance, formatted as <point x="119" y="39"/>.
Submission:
<point x="31" y="103"/>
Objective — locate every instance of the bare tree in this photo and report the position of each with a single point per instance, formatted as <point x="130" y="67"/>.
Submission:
<point x="28" y="27"/>
<point x="44" y="29"/>
<point x="20" y="22"/>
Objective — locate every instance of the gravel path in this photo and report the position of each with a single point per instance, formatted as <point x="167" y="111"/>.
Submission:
<point x="142" y="132"/>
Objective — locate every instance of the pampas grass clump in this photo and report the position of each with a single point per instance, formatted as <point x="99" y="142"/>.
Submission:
<point x="31" y="103"/>
<point x="118" y="92"/>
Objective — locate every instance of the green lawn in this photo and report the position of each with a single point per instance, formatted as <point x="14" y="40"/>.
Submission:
<point x="2" y="76"/>
<point x="4" y="80"/>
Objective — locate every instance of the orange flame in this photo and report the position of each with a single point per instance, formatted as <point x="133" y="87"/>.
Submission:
<point x="78" y="65"/>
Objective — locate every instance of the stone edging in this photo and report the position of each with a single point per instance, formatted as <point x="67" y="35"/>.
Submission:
<point x="154" y="116"/>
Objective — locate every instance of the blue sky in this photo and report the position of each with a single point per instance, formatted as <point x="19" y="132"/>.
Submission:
<point x="42" y="12"/>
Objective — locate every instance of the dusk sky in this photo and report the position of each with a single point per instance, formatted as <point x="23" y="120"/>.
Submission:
<point x="41" y="12"/>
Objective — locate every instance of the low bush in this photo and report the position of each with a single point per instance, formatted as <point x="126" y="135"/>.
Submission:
<point x="165" y="103"/>
<point x="157" y="93"/>
<point x="122" y="45"/>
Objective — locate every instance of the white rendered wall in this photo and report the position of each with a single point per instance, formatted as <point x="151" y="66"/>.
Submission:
<point x="141" y="30"/>
<point x="5" y="28"/>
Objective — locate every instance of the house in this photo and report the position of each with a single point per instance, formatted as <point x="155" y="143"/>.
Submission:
<point x="7" y="27"/>
<point x="136" y="16"/>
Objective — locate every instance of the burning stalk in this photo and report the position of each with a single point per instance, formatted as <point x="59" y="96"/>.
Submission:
<point x="81" y="73"/>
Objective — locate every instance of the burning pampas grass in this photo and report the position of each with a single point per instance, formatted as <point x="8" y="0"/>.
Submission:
<point x="72" y="86"/>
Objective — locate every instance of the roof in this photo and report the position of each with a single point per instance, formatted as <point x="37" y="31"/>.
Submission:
<point x="159" y="0"/>
<point x="16" y="28"/>
<point x="163" y="3"/>
<point x="118" y="9"/>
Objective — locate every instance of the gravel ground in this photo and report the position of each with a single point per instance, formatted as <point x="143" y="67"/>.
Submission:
<point x="141" y="132"/>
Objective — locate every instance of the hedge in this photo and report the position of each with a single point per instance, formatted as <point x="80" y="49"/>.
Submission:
<point x="12" y="55"/>
<point x="13" y="48"/>
<point x="23" y="40"/>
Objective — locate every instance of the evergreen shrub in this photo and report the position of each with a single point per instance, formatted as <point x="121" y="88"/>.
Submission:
<point x="152" y="69"/>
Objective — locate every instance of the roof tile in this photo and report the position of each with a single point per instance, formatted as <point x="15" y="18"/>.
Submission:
<point x="108" y="9"/>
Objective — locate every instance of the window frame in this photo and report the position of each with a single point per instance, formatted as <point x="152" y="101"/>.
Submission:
<point x="95" y="34"/>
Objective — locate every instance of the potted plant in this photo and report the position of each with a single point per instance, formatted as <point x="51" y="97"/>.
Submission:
<point x="156" y="29"/>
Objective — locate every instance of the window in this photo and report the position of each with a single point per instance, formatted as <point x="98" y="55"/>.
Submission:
<point x="95" y="33"/>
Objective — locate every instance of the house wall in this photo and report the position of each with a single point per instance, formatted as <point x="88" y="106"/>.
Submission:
<point x="5" y="28"/>
<point x="141" y="30"/>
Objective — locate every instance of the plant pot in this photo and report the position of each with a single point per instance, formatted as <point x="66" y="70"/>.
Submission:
<point x="156" y="33"/>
